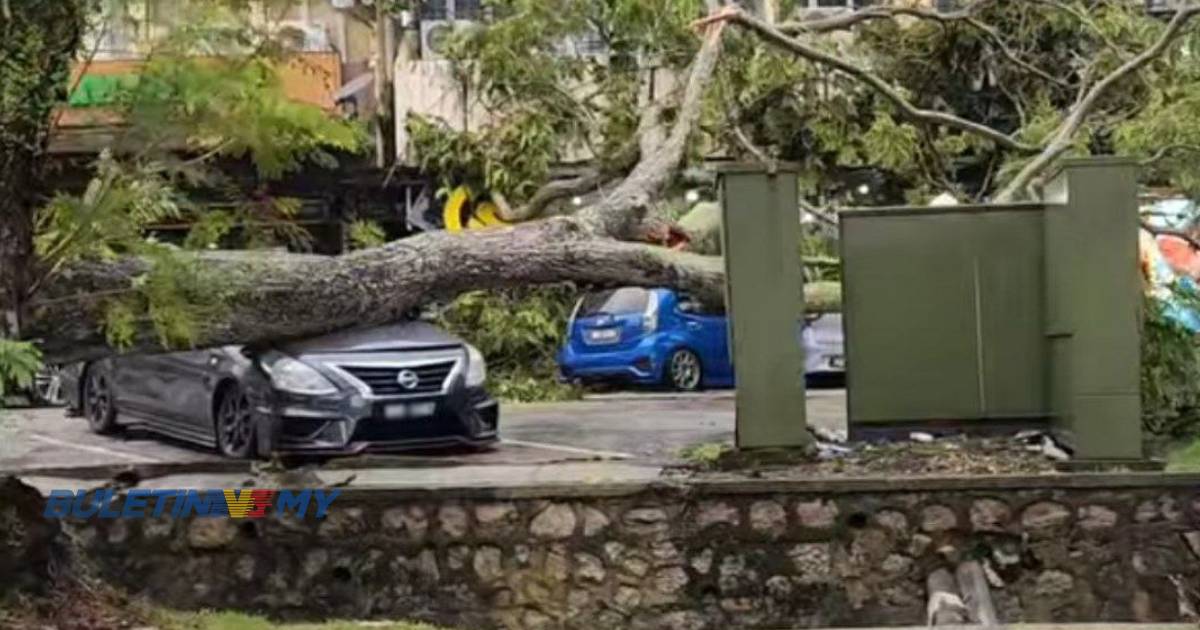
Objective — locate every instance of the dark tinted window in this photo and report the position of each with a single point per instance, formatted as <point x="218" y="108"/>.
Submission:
<point x="689" y="304"/>
<point x="615" y="302"/>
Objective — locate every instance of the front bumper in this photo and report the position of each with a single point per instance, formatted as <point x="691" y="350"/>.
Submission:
<point x="348" y="424"/>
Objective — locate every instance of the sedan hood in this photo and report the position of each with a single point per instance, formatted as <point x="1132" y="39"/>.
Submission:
<point x="402" y="336"/>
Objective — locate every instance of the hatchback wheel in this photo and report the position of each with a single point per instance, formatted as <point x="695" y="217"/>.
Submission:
<point x="98" y="403"/>
<point x="235" y="425"/>
<point x="683" y="370"/>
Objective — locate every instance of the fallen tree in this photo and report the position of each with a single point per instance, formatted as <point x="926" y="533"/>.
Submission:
<point x="67" y="303"/>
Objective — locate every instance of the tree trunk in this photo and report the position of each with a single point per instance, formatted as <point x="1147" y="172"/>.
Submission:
<point x="279" y="296"/>
<point x="276" y="296"/>
<point x="16" y="253"/>
<point x="38" y="40"/>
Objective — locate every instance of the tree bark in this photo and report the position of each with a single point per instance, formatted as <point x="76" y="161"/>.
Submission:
<point x="287" y="295"/>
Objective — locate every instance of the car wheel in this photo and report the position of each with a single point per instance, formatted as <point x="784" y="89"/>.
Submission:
<point x="235" y="424"/>
<point x="98" y="404"/>
<point x="47" y="388"/>
<point x="684" y="370"/>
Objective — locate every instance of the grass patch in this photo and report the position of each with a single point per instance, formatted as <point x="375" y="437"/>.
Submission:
<point x="705" y="455"/>
<point x="1184" y="458"/>
<point x="709" y="456"/>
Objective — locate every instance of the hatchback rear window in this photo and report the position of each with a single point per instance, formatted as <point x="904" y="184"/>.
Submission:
<point x="615" y="302"/>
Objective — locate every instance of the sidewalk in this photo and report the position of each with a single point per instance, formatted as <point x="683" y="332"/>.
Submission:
<point x="569" y="474"/>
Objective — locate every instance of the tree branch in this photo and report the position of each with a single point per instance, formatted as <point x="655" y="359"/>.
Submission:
<point x="1164" y="151"/>
<point x="843" y="21"/>
<point x="1064" y="134"/>
<point x="619" y="213"/>
<point x="554" y="191"/>
<point x="1179" y="234"/>
<point x="913" y="113"/>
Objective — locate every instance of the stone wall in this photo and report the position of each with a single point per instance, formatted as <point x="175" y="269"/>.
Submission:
<point x="715" y="555"/>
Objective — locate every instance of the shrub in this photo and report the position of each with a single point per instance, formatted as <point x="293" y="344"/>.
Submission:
<point x="1170" y="376"/>
<point x="518" y="331"/>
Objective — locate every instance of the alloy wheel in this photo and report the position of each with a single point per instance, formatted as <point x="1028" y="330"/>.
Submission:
<point x="235" y="426"/>
<point x="98" y="403"/>
<point x="48" y="387"/>
<point x="685" y="370"/>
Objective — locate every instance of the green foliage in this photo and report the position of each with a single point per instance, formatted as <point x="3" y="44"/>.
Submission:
<point x="511" y="158"/>
<point x="40" y="40"/>
<point x="518" y="331"/>
<point x="234" y="106"/>
<point x="19" y="363"/>
<point x="546" y="104"/>
<point x="176" y="296"/>
<point x="889" y="144"/>
<point x="705" y="455"/>
<point x="207" y="90"/>
<point x="547" y="107"/>
<point x="1184" y="458"/>
<point x="1170" y="376"/>
<point x="365" y="234"/>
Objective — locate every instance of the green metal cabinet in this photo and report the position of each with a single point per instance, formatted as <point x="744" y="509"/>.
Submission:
<point x="760" y="232"/>
<point x="978" y="316"/>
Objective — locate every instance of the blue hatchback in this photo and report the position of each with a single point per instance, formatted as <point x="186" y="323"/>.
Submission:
<point x="646" y="337"/>
<point x="659" y="337"/>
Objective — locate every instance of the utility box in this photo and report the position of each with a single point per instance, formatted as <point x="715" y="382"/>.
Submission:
<point x="760" y="234"/>
<point x="997" y="317"/>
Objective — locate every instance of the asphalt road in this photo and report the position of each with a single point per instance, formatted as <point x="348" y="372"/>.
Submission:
<point x="641" y="428"/>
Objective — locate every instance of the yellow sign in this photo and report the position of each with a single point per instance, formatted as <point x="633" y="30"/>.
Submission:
<point x="462" y="213"/>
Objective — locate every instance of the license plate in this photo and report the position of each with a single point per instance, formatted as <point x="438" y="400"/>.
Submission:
<point x="604" y="335"/>
<point x="408" y="411"/>
<point x="837" y="362"/>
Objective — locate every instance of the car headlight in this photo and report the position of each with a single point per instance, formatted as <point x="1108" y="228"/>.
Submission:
<point x="294" y="376"/>
<point x="476" y="367"/>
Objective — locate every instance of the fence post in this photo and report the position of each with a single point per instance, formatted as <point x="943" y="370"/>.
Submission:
<point x="1093" y="307"/>
<point x="760" y="233"/>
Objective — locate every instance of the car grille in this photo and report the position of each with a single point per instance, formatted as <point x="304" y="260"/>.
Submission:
<point x="384" y="381"/>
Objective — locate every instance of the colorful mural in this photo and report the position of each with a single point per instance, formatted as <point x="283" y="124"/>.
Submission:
<point x="1171" y="264"/>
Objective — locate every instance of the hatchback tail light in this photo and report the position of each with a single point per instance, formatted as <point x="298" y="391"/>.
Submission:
<point x="650" y="316"/>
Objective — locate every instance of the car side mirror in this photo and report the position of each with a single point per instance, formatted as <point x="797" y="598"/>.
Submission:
<point x="688" y="307"/>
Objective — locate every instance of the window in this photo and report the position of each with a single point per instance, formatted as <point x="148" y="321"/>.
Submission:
<point x="615" y="302"/>
<point x="692" y="306"/>
<point x="435" y="10"/>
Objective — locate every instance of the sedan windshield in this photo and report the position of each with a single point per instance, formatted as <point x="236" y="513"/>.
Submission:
<point x="615" y="302"/>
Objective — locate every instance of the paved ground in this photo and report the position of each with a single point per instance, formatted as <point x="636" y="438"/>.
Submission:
<point x="646" y="430"/>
